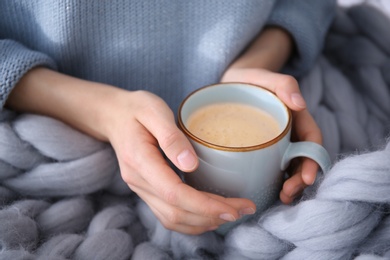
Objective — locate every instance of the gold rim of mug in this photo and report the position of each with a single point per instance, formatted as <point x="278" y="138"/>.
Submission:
<point x="228" y="148"/>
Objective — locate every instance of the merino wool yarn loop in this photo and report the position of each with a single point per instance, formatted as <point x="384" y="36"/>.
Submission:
<point x="62" y="196"/>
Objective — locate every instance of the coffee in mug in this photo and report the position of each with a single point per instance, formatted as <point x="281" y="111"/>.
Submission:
<point x="233" y="124"/>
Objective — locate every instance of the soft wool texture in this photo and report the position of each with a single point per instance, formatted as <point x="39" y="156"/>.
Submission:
<point x="61" y="196"/>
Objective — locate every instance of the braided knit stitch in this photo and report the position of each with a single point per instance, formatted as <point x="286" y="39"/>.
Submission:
<point x="61" y="195"/>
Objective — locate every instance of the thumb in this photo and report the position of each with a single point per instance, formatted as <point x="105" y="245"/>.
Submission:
<point x="177" y="148"/>
<point x="161" y="125"/>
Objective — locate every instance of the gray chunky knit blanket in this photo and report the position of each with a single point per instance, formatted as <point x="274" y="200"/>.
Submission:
<point x="61" y="195"/>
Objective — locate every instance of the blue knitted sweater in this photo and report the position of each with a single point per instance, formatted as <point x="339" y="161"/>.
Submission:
<point x="168" y="47"/>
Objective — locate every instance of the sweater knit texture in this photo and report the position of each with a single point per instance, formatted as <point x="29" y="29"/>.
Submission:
<point x="167" y="47"/>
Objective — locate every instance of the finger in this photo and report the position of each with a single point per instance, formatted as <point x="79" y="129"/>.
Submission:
<point x="174" y="214"/>
<point x="309" y="170"/>
<point x="305" y="128"/>
<point x="188" y="229"/>
<point x="171" y="216"/>
<point x="187" y="198"/>
<point x="236" y="203"/>
<point x="184" y="221"/>
<point x="159" y="120"/>
<point x="284" y="86"/>
<point x="170" y="188"/>
<point x="292" y="187"/>
<point x="304" y="176"/>
<point x="183" y="228"/>
<point x="286" y="199"/>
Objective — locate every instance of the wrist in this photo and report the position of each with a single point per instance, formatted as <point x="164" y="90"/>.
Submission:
<point x="270" y="50"/>
<point x="112" y="111"/>
<point x="74" y="101"/>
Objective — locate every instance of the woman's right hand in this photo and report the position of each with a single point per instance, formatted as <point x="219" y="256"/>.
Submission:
<point x="137" y="124"/>
<point x="140" y="125"/>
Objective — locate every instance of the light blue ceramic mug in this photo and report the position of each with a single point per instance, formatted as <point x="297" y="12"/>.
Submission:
<point x="255" y="172"/>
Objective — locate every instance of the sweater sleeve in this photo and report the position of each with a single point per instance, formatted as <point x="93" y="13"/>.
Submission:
<point x="308" y="22"/>
<point x="15" y="61"/>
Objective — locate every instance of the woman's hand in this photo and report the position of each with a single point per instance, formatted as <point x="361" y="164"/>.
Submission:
<point x="141" y="123"/>
<point x="259" y="65"/>
<point x="304" y="126"/>
<point x="137" y="124"/>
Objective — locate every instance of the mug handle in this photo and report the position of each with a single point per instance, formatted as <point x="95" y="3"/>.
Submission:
<point x="307" y="149"/>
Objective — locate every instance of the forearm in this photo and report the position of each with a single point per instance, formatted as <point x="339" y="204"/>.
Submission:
<point x="270" y="50"/>
<point x="307" y="22"/>
<point x="74" y="101"/>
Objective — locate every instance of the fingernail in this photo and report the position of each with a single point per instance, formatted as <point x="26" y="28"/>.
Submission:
<point x="187" y="160"/>
<point x="247" y="211"/>
<point x="227" y="217"/>
<point x="298" y="100"/>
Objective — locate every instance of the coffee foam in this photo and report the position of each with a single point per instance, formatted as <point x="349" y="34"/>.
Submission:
<point x="233" y="125"/>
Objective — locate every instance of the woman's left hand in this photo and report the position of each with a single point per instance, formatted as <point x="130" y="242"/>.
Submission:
<point x="304" y="127"/>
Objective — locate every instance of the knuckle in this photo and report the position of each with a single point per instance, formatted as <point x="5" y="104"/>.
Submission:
<point x="205" y="209"/>
<point x="144" y="95"/>
<point x="129" y="163"/>
<point x="173" y="217"/>
<point x="127" y="158"/>
<point x="169" y="139"/>
<point x="153" y="103"/>
<point x="170" y="196"/>
<point x="288" y="81"/>
<point x="129" y="167"/>
<point x="168" y="226"/>
<point x="128" y="177"/>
